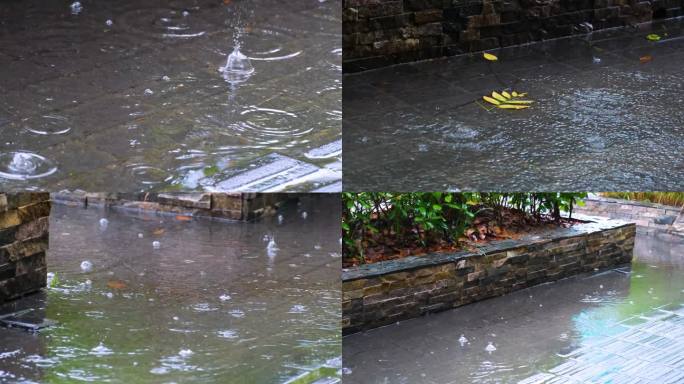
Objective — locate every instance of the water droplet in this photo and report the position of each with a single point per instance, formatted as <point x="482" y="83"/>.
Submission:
<point x="228" y="334"/>
<point x="186" y="13"/>
<point x="100" y="350"/>
<point x="103" y="223"/>
<point x="76" y="7"/>
<point x="280" y="219"/>
<point x="224" y="297"/>
<point x="304" y="215"/>
<point x="185" y="353"/>
<point x="149" y="92"/>
<point x="462" y="340"/>
<point x="175" y="318"/>
<point x="165" y="78"/>
<point x="490" y="347"/>
<point x="346" y="371"/>
<point x="109" y="295"/>
<point x="238" y="68"/>
<point x="86" y="266"/>
<point x="140" y="235"/>
<point x="156" y="244"/>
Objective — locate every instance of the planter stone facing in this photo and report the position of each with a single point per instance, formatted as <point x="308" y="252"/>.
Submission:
<point x="650" y="218"/>
<point x="377" y="33"/>
<point x="378" y="294"/>
<point x="24" y="223"/>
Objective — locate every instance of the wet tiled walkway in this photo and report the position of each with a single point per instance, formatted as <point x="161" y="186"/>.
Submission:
<point x="607" y="116"/>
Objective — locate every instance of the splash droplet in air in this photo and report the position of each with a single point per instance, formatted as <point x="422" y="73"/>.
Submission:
<point x="238" y="68"/>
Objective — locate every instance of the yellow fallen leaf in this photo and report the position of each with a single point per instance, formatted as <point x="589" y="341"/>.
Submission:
<point x="490" y="57"/>
<point x="510" y="106"/>
<point x="490" y="100"/>
<point x="653" y="37"/>
<point x="506" y="94"/>
<point x="498" y="96"/>
<point x="519" y="101"/>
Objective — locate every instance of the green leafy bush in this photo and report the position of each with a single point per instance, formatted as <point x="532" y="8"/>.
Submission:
<point x="425" y="219"/>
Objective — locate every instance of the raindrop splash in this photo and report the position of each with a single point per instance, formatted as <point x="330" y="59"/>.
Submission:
<point x="490" y="348"/>
<point x="462" y="340"/>
<point x="238" y="68"/>
<point x="24" y="165"/>
<point x="86" y="266"/>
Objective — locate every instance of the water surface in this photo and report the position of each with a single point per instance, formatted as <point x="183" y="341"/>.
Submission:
<point x="214" y="303"/>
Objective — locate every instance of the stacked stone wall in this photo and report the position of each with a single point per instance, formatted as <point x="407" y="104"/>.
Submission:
<point x="24" y="238"/>
<point x="383" y="32"/>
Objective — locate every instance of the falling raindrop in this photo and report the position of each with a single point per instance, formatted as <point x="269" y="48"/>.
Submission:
<point x="156" y="244"/>
<point x="103" y="223"/>
<point x="304" y="215"/>
<point x="271" y="248"/>
<point x="109" y="23"/>
<point x="140" y="235"/>
<point x="280" y="219"/>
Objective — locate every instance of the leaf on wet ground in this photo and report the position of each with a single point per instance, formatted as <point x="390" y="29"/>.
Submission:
<point x="183" y="218"/>
<point x="653" y="37"/>
<point x="645" y="59"/>
<point x="116" y="284"/>
<point x="490" y="57"/>
<point x="506" y="100"/>
<point x="158" y="231"/>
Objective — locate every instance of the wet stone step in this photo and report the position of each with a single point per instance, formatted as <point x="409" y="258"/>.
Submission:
<point x="274" y="171"/>
<point x="326" y="151"/>
<point x="27" y="320"/>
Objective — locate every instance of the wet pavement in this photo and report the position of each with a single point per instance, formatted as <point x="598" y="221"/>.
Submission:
<point x="128" y="95"/>
<point x="607" y="116"/>
<point x="213" y="303"/>
<point x="620" y="326"/>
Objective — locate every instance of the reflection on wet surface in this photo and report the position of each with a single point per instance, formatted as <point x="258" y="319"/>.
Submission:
<point x="607" y="115"/>
<point x="169" y="95"/>
<point x="211" y="301"/>
<point x="608" y="327"/>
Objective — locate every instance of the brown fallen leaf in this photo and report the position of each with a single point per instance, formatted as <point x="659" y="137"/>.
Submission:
<point x="183" y="218"/>
<point x="116" y="284"/>
<point x="645" y="59"/>
<point x="158" y="231"/>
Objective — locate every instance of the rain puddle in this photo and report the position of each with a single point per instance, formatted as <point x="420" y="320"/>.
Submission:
<point x="409" y="124"/>
<point x="171" y="95"/>
<point x="608" y="327"/>
<point x="148" y="298"/>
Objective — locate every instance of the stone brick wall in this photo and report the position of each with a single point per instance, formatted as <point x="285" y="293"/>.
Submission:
<point x="383" y="32"/>
<point x="24" y="223"/>
<point x="234" y="206"/>
<point x="650" y="218"/>
<point x="383" y="293"/>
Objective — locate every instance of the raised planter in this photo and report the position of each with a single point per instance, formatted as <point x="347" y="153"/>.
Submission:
<point x="24" y="223"/>
<point x="378" y="294"/>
